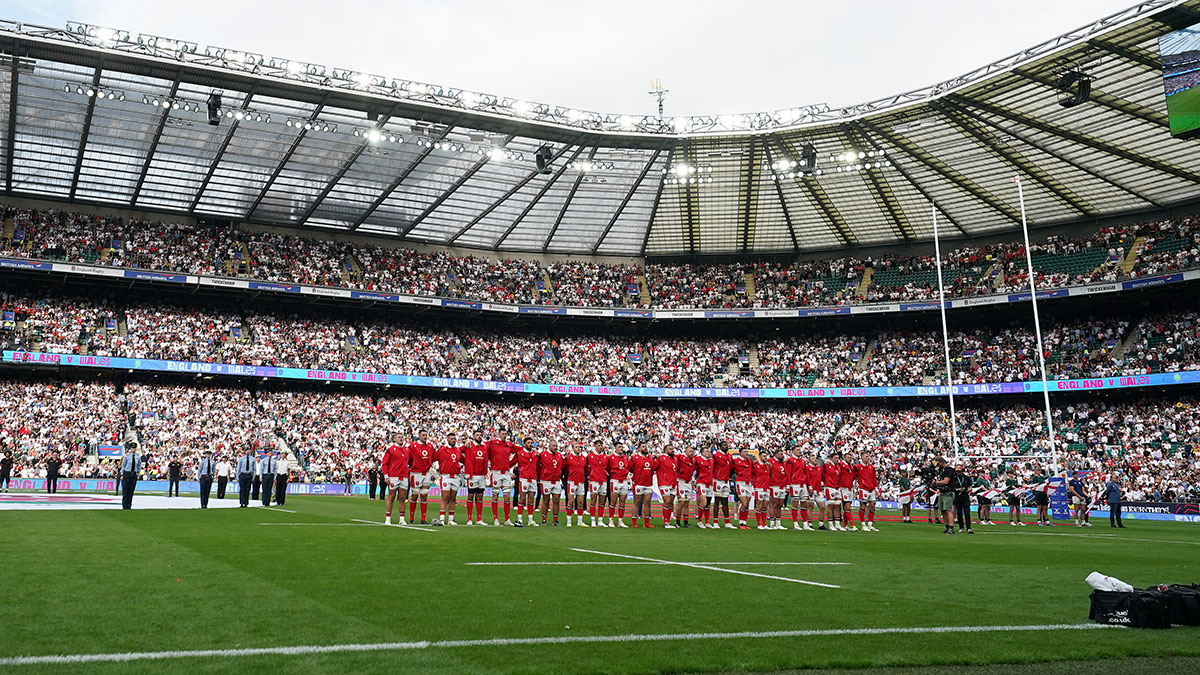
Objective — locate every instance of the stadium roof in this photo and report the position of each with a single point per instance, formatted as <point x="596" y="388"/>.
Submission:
<point x="300" y="145"/>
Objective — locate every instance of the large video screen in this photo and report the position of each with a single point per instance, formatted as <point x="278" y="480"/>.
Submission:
<point x="1181" y="78"/>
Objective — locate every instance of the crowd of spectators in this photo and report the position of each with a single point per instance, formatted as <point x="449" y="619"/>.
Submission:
<point x="287" y="258"/>
<point x="338" y="437"/>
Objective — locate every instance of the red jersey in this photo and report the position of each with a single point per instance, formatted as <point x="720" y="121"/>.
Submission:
<point x="831" y="475"/>
<point x="815" y="472"/>
<point x="761" y="475"/>
<point x="685" y="466"/>
<point x="597" y="467"/>
<point x="664" y="467"/>
<point x="549" y="465"/>
<point x="420" y="457"/>
<point x="526" y="464"/>
<point x="449" y="460"/>
<point x="395" y="461"/>
<point x="643" y="469"/>
<point x="704" y="469"/>
<point x="475" y="460"/>
<point x="797" y="470"/>
<point x="576" y="468"/>
<point x="720" y="466"/>
<point x="742" y="468"/>
<point x="500" y="454"/>
<point x="619" y="465"/>
<point x="847" y="475"/>
<point x="779" y="473"/>
<point x="866" y="477"/>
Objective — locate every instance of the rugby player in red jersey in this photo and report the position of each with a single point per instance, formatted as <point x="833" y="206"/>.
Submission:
<point x="831" y="477"/>
<point x="395" y="472"/>
<point x="620" y="467"/>
<point x="501" y="453"/>
<point x="722" y="462"/>
<point x="743" y="472"/>
<point x="846" y="485"/>
<point x="797" y="473"/>
<point x="760" y="477"/>
<point x="550" y="471"/>
<point x="685" y="489"/>
<point x="576" y="464"/>
<point x="527" y="475"/>
<point x="779" y="490"/>
<point x="597" y="474"/>
<point x="448" y="460"/>
<point x="868" y="493"/>
<point x="704" y="487"/>
<point x="420" y="474"/>
<point x="643" y="465"/>
<point x="475" y="466"/>
<point x="664" y="469"/>
<point x="816" y="496"/>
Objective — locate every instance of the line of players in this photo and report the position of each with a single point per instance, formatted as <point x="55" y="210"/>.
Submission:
<point x="599" y="480"/>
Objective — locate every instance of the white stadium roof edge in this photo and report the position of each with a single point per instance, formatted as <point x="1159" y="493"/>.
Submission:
<point x="96" y="115"/>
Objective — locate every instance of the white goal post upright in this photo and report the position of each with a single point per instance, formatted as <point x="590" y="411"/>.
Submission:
<point x="937" y="257"/>
<point x="1037" y="327"/>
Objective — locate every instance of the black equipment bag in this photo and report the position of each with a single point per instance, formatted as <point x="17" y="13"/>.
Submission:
<point x="1183" y="604"/>
<point x="1134" y="609"/>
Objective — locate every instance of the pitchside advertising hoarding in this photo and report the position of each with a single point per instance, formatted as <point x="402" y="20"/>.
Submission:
<point x="242" y="370"/>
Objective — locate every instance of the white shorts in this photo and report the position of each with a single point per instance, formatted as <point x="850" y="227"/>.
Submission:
<point x="745" y="489"/>
<point x="704" y="490"/>
<point x="575" y="488"/>
<point x="502" y="480"/>
<point x="833" y="494"/>
<point x="685" y="490"/>
<point x="596" y="488"/>
<point x="420" y="481"/>
<point x="643" y="489"/>
<point x="476" y="482"/>
<point x="761" y="494"/>
<point x="798" y="490"/>
<point x="529" y="485"/>
<point x="868" y="495"/>
<point x="778" y="492"/>
<point x="450" y="484"/>
<point x="620" y="488"/>
<point x="666" y="490"/>
<point x="551" y="487"/>
<point x="1077" y="501"/>
<point x="721" y="489"/>
<point x="397" y="483"/>
<point x="847" y="494"/>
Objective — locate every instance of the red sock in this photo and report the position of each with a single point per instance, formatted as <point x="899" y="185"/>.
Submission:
<point x="742" y="515"/>
<point x="412" y="510"/>
<point x="424" y="506"/>
<point x="496" y="511"/>
<point x="470" y="510"/>
<point x="388" y="514"/>
<point x="622" y="513"/>
<point x="795" y="516"/>
<point x="506" y="510"/>
<point x="666" y="513"/>
<point x="804" y="514"/>
<point x="645" y="521"/>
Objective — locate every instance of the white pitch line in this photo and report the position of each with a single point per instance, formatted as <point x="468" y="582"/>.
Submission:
<point x="407" y="527"/>
<point x="319" y="524"/>
<point x="276" y="508"/>
<point x="1107" y="537"/>
<point x="709" y="567"/>
<point x="507" y="642"/>
<point x="632" y="562"/>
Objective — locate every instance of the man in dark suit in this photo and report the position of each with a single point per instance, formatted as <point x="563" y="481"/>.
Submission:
<point x="205" y="475"/>
<point x="53" y="465"/>
<point x="174" y="475"/>
<point x="6" y="466"/>
<point x="375" y="480"/>
<point x="131" y="468"/>
<point x="266" y="471"/>
<point x="1112" y="496"/>
<point x="245" y="475"/>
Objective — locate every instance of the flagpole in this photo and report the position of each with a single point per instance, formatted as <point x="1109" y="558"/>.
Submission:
<point x="937" y="256"/>
<point x="1037" y="326"/>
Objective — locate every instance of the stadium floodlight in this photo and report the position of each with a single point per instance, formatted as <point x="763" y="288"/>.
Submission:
<point x="496" y="154"/>
<point x="214" y="108"/>
<point x="374" y="135"/>
<point x="1077" y="86"/>
<point x="543" y="158"/>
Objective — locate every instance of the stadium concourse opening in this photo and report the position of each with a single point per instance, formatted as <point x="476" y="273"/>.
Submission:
<point x="605" y="392"/>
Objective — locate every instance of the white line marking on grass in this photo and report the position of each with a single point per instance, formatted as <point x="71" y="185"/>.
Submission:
<point x="407" y="527"/>
<point x="709" y="567"/>
<point x="1108" y="537"/>
<point x="276" y="508"/>
<point x="505" y="642"/>
<point x="319" y="524"/>
<point x="631" y="562"/>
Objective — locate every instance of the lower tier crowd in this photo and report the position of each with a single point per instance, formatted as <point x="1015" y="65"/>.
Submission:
<point x="340" y="437"/>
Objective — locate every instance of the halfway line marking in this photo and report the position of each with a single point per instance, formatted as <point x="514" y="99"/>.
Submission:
<point x="709" y="567"/>
<point x="631" y="562"/>
<point x="502" y="642"/>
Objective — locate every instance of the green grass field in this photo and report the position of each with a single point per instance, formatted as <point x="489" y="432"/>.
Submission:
<point x="1183" y="109"/>
<point x="88" y="582"/>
